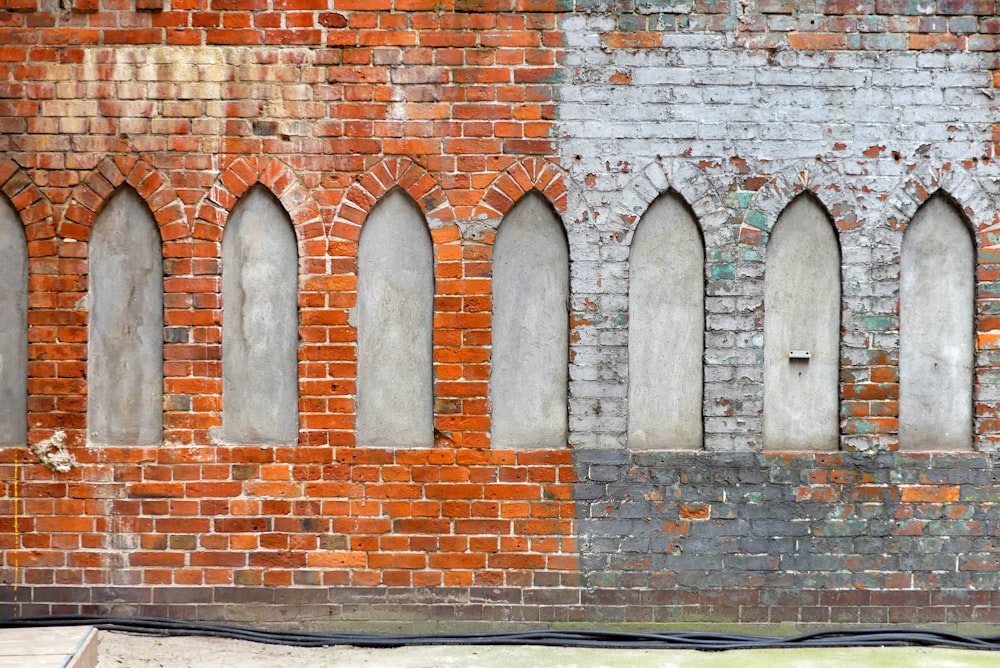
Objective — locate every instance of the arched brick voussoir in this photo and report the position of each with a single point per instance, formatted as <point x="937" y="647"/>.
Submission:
<point x="372" y="186"/>
<point x="111" y="173"/>
<point x="682" y="177"/>
<point x="827" y="184"/>
<point x="242" y="174"/>
<point x="30" y="203"/>
<point x="960" y="186"/>
<point x="521" y="177"/>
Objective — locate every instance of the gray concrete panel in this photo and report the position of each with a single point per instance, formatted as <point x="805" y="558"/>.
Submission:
<point x="936" y="321"/>
<point x="528" y="390"/>
<point x="260" y="324"/>
<point x="666" y="334"/>
<point x="802" y="330"/>
<point x="125" y="349"/>
<point x="395" y="404"/>
<point x="13" y="327"/>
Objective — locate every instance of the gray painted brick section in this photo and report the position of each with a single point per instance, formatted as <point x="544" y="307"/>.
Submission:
<point x="711" y="521"/>
<point x="701" y="115"/>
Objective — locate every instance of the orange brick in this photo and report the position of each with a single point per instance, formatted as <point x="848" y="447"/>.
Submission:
<point x="816" y="41"/>
<point x="927" y="494"/>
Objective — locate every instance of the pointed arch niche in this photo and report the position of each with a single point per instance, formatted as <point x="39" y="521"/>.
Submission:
<point x="666" y="328"/>
<point x="260" y="324"/>
<point x="936" y="329"/>
<point x="530" y="360"/>
<point x="802" y="330"/>
<point x="395" y="318"/>
<point x="125" y="348"/>
<point x="13" y="327"/>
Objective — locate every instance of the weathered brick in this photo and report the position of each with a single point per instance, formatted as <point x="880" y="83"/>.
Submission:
<point x="870" y="106"/>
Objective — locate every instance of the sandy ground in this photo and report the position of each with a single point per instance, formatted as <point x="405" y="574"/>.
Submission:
<point x="118" y="650"/>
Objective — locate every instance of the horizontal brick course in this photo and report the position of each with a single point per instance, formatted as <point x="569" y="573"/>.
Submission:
<point x="437" y="609"/>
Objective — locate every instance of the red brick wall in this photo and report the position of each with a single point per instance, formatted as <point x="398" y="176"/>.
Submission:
<point x="329" y="105"/>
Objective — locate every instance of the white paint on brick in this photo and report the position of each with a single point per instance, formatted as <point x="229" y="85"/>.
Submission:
<point x="859" y="125"/>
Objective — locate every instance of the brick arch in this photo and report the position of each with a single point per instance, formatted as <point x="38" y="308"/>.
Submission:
<point x="545" y="370"/>
<point x="213" y="212"/>
<point x="359" y="200"/>
<point x="238" y="178"/>
<point x="371" y="187"/>
<point x="31" y="205"/>
<point x="517" y="180"/>
<point x="38" y="220"/>
<point x="642" y="326"/>
<point x="98" y="186"/>
<point x="828" y="187"/>
<point x="85" y="203"/>
<point x="690" y="182"/>
<point x="614" y="224"/>
<point x="980" y="211"/>
<point x="818" y="178"/>
<point x="959" y="185"/>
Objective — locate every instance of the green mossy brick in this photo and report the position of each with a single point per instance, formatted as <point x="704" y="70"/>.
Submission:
<point x="723" y="272"/>
<point x="755" y="219"/>
<point x="631" y="22"/>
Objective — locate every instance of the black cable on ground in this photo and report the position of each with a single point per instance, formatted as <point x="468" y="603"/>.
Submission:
<point x="584" y="638"/>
